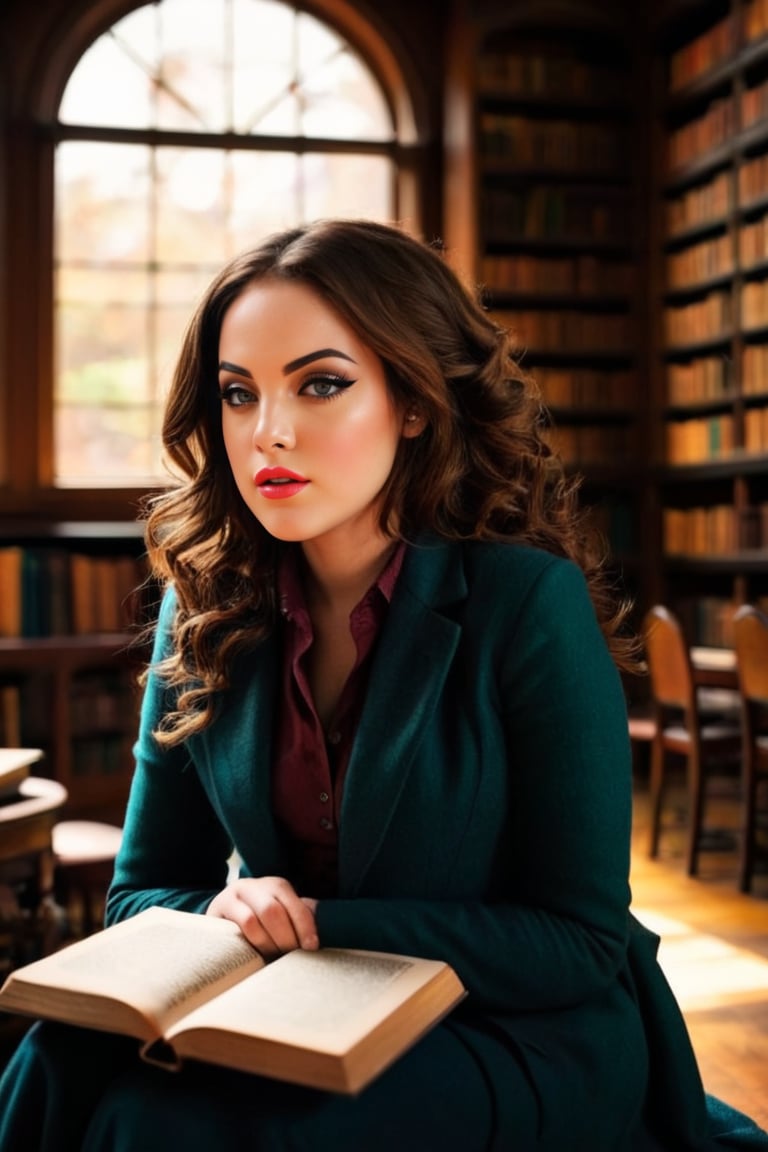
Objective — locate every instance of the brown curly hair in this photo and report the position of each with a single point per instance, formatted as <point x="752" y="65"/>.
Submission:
<point x="481" y="469"/>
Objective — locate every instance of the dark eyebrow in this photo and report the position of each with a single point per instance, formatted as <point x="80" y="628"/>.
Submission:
<point x="292" y="365"/>
<point x="225" y="366"/>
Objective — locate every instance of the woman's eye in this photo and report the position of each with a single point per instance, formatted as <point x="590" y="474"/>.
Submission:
<point x="326" y="387"/>
<point x="235" y="395"/>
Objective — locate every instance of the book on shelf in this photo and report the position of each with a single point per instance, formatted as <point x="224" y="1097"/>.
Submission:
<point x="188" y="986"/>
<point x="10" y="715"/>
<point x="11" y="562"/>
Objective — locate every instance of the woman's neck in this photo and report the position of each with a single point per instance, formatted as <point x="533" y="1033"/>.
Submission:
<point x="335" y="580"/>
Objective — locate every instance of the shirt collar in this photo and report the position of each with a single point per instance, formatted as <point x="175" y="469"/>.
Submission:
<point x="291" y="592"/>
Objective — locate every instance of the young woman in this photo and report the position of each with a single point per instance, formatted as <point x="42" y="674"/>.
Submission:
<point x="386" y="674"/>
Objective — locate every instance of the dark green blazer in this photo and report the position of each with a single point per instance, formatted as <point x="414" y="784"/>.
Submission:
<point x="485" y="820"/>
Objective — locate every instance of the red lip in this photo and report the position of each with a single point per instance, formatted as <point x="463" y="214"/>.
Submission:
<point x="279" y="483"/>
<point x="266" y="474"/>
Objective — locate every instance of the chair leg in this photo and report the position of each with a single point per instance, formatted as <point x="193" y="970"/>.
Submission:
<point x="655" y="791"/>
<point x="695" y="811"/>
<point x="747" y="861"/>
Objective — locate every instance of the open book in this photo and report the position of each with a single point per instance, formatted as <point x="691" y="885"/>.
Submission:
<point x="188" y="985"/>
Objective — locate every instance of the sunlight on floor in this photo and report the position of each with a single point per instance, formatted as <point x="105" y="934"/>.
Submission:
<point x="704" y="970"/>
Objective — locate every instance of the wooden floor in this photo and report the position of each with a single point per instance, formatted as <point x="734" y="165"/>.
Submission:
<point x="714" y="952"/>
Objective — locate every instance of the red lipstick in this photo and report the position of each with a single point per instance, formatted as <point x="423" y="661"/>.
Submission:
<point x="279" y="483"/>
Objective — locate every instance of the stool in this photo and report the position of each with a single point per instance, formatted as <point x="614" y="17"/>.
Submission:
<point x="84" y="854"/>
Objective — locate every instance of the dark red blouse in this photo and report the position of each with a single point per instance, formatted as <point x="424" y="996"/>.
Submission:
<point x="310" y="763"/>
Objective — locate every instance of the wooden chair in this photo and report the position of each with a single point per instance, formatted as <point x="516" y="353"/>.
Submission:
<point x="750" y="632"/>
<point x="708" y="748"/>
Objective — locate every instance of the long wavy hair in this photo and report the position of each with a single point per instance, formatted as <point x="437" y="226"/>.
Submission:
<point x="480" y="470"/>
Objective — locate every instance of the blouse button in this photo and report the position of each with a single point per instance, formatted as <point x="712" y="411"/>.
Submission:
<point x="325" y="823"/>
<point x="323" y="797"/>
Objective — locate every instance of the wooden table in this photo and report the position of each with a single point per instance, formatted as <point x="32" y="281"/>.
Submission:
<point x="14" y="767"/>
<point x="26" y="867"/>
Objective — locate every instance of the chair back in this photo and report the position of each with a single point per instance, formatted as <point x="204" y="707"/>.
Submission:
<point x="750" y="638"/>
<point x="669" y="660"/>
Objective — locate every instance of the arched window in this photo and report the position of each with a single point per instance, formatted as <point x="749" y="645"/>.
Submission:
<point x="187" y="131"/>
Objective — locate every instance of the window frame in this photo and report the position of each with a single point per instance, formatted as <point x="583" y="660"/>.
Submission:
<point x="27" y="273"/>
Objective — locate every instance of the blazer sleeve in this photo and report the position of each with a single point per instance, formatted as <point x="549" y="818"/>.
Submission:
<point x="554" y="931"/>
<point x="174" y="849"/>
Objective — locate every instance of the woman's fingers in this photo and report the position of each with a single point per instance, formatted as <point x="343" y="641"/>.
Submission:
<point x="269" y="913"/>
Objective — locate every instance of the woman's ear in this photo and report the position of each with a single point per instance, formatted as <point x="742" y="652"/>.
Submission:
<point x="413" y="425"/>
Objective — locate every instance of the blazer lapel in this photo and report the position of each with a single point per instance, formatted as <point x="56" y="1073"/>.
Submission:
<point x="414" y="654"/>
<point x="235" y="755"/>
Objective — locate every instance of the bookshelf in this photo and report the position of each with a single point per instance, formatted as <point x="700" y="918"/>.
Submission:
<point x="75" y="597"/>
<point x="711" y="387"/>
<point x="540" y="111"/>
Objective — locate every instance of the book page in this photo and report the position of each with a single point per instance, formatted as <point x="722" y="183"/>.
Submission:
<point x="327" y="999"/>
<point x="161" y="961"/>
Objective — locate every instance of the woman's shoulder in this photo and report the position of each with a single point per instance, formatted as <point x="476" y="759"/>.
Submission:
<point x="502" y="572"/>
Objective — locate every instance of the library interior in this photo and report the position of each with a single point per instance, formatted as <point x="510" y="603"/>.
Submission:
<point x="600" y="173"/>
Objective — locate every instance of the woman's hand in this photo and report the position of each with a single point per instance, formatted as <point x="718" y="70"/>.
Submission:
<point x="269" y="913"/>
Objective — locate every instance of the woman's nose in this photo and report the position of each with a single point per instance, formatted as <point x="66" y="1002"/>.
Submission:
<point x="274" y="427"/>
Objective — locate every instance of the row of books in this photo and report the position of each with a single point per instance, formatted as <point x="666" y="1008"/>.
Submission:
<point x="49" y="591"/>
<point x="715" y="530"/>
<point x="99" y="702"/>
<point x="706" y="379"/>
<point x="708" y="438"/>
<point x="756" y="430"/>
<point x="714" y="199"/>
<point x="718" y="44"/>
<point x="711" y="378"/>
<point x="754" y="104"/>
<point x="583" y="275"/>
<point x="103" y="712"/>
<point x="753" y="242"/>
<point x="567" y="331"/>
<point x="754" y="370"/>
<point x="716" y="257"/>
<point x="702" y="439"/>
<point x="695" y="59"/>
<point x="754" y="304"/>
<point x="558" y="145"/>
<point x="752" y="180"/>
<point x="715" y="127"/>
<point x="590" y="444"/>
<point x="755" y="19"/>
<point x="555" y="76"/>
<point x="701" y="262"/>
<point x="708" y="620"/>
<point x="99" y="756"/>
<point x="699" y="320"/>
<point x="705" y="202"/>
<point x="554" y="213"/>
<point x="586" y="388"/>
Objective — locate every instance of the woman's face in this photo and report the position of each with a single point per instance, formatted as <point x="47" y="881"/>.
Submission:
<point x="310" y="427"/>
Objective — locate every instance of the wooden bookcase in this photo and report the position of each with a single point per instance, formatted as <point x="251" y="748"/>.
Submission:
<point x="69" y="658"/>
<point x="711" y="372"/>
<point x="541" y="111"/>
